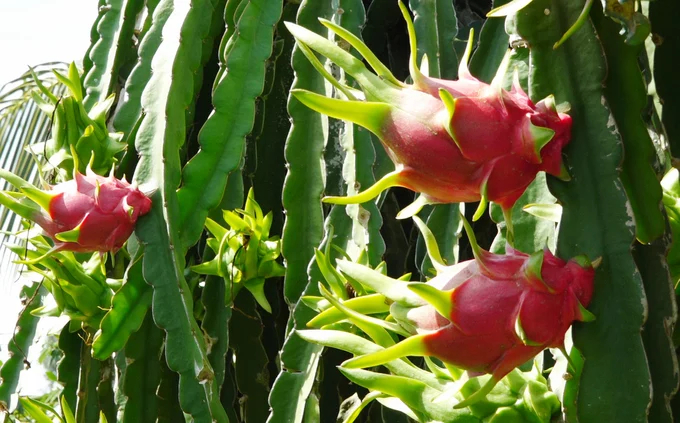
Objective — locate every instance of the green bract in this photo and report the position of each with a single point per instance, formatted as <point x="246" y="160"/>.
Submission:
<point x="77" y="130"/>
<point x="245" y="255"/>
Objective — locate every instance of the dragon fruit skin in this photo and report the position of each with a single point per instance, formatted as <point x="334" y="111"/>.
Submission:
<point x="503" y="314"/>
<point x="452" y="141"/>
<point x="494" y="149"/>
<point x="486" y="315"/>
<point x="104" y="210"/>
<point x="85" y="214"/>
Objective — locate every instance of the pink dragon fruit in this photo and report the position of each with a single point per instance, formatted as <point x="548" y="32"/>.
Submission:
<point x="487" y="315"/>
<point x="452" y="141"/>
<point x="86" y="214"/>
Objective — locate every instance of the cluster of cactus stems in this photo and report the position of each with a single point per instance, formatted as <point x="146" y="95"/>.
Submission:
<point x="266" y="144"/>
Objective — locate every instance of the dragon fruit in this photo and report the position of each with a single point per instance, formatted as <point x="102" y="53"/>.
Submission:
<point x="452" y="141"/>
<point x="86" y="214"/>
<point x="486" y="315"/>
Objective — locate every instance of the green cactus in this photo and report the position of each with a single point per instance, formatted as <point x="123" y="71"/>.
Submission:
<point x="549" y="114"/>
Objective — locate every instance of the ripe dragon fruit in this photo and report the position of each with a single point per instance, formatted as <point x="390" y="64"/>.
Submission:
<point x="487" y="315"/>
<point x="86" y="214"/>
<point x="452" y="141"/>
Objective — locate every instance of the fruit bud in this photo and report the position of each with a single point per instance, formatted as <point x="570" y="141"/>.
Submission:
<point x="86" y="214"/>
<point x="452" y="141"/>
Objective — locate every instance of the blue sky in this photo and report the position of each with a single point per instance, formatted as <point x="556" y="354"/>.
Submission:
<point x="37" y="31"/>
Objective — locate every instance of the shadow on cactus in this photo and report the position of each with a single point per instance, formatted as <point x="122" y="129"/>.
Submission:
<point x="245" y="255"/>
<point x="452" y="141"/>
<point x="488" y="315"/>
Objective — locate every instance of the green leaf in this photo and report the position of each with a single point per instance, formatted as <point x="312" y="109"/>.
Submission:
<point x="34" y="410"/>
<point x="415" y="394"/>
<point x="360" y="346"/>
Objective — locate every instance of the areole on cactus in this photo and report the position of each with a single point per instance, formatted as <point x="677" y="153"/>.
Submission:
<point x="486" y="315"/>
<point x="89" y="213"/>
<point x="452" y="141"/>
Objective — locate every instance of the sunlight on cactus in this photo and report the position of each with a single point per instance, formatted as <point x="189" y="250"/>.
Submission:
<point x="268" y="144"/>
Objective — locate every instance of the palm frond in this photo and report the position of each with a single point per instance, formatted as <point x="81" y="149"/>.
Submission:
<point x="22" y="123"/>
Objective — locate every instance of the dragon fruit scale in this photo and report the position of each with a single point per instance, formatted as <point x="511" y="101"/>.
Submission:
<point x="452" y="141"/>
<point x="486" y="315"/>
<point x="85" y="214"/>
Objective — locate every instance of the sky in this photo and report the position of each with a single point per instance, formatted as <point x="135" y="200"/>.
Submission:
<point x="38" y="31"/>
<point x="34" y="32"/>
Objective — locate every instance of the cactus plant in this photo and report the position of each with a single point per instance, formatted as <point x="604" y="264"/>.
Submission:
<point x="266" y="134"/>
